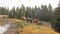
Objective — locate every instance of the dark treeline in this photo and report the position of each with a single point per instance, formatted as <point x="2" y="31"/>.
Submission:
<point x="4" y="11"/>
<point x="55" y="21"/>
<point x="42" y="13"/>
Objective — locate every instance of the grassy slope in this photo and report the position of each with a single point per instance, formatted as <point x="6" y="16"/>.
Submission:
<point x="28" y="28"/>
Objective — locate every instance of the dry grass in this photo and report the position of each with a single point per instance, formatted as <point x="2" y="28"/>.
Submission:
<point x="29" y="28"/>
<point x="17" y="20"/>
<point x="35" y="29"/>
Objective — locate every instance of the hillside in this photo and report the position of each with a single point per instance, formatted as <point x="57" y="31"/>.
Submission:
<point x="29" y="28"/>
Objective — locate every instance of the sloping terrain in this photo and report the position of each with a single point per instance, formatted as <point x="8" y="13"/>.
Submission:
<point x="29" y="28"/>
<point x="35" y="29"/>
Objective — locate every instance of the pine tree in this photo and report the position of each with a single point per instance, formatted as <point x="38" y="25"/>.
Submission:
<point x="22" y="11"/>
<point x="56" y="20"/>
<point x="17" y="15"/>
<point x="35" y="12"/>
<point x="49" y="12"/>
<point x="12" y="13"/>
<point x="59" y="4"/>
<point x="44" y="13"/>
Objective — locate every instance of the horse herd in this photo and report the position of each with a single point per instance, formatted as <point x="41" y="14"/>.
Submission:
<point x="31" y="20"/>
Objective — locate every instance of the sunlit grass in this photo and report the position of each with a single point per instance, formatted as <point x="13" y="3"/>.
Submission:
<point x="36" y="30"/>
<point x="30" y="28"/>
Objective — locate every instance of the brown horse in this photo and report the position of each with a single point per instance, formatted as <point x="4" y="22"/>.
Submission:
<point x="36" y="21"/>
<point x="27" y="19"/>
